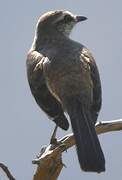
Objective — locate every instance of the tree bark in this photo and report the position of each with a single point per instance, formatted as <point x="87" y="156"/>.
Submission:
<point x="49" y="162"/>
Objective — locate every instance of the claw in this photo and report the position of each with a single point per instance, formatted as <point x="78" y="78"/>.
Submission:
<point x="63" y="145"/>
<point x="64" y="165"/>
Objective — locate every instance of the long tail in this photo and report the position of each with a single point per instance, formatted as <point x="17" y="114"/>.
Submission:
<point x="90" y="155"/>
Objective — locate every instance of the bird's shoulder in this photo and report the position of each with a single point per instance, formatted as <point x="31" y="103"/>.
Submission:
<point x="34" y="64"/>
<point x="78" y="49"/>
<point x="87" y="56"/>
<point x="88" y="60"/>
<point x="33" y="57"/>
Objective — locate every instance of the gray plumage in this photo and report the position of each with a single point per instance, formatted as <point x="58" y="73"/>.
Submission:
<point x="63" y="77"/>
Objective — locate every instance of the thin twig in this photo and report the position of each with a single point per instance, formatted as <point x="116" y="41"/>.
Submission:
<point x="7" y="172"/>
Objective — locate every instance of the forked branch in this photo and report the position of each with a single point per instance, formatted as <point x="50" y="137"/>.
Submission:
<point x="49" y="162"/>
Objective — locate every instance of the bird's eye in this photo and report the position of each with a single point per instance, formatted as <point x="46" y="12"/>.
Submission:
<point x="68" y="18"/>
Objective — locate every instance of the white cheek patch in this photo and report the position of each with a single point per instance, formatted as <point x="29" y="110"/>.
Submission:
<point x="68" y="28"/>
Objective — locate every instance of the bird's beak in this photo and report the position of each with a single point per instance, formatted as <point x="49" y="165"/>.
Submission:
<point x="80" y="18"/>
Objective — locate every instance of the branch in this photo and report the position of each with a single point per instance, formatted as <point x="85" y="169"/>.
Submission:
<point x="49" y="162"/>
<point x="7" y="172"/>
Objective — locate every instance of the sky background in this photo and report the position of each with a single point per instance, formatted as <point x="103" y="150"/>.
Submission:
<point x="24" y="128"/>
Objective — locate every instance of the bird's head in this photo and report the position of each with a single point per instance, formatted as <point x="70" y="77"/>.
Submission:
<point x="58" y="21"/>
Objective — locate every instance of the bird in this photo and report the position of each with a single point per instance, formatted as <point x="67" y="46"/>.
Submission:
<point x="64" y="79"/>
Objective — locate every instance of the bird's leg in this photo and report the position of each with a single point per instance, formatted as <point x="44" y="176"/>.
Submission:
<point x="53" y="139"/>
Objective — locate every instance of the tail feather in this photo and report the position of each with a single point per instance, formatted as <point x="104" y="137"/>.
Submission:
<point x="89" y="151"/>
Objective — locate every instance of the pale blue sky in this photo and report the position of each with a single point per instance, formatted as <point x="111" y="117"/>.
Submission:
<point x="24" y="128"/>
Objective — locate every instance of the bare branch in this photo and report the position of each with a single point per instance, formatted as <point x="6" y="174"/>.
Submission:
<point x="101" y="127"/>
<point x="49" y="162"/>
<point x="7" y="172"/>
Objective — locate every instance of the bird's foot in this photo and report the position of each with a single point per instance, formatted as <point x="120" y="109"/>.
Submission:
<point x="53" y="139"/>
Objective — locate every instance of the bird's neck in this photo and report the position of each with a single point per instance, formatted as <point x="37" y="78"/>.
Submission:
<point x="48" y="40"/>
